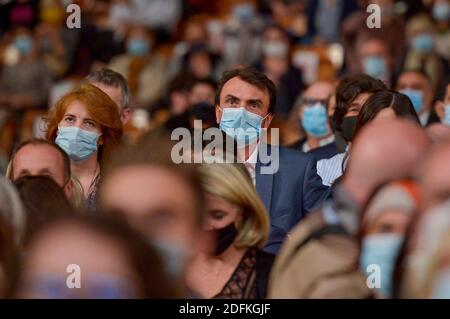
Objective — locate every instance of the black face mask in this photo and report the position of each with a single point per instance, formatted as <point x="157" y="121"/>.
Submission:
<point x="331" y="122"/>
<point x="348" y="127"/>
<point x="204" y="111"/>
<point x="225" y="237"/>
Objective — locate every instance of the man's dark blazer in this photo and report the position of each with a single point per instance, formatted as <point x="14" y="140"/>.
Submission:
<point x="290" y="193"/>
<point x="322" y="152"/>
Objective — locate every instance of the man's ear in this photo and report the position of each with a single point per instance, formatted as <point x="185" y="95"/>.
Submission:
<point x="439" y="108"/>
<point x="125" y="115"/>
<point x="218" y="114"/>
<point x="267" y="121"/>
<point x="68" y="189"/>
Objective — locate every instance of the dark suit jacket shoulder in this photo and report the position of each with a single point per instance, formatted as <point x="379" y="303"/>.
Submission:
<point x="290" y="193"/>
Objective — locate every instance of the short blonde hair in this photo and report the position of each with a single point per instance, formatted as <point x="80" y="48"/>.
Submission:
<point x="232" y="183"/>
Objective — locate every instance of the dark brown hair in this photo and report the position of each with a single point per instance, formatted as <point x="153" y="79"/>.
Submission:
<point x="9" y="262"/>
<point x="253" y="77"/>
<point x="43" y="201"/>
<point x="348" y="90"/>
<point x="398" y="102"/>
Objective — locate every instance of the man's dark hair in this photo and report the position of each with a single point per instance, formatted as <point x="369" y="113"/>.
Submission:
<point x="347" y="91"/>
<point x="419" y="71"/>
<point x="398" y="102"/>
<point x="37" y="142"/>
<point x="43" y="200"/>
<point x="207" y="81"/>
<point x="253" y="77"/>
<point x="111" y="78"/>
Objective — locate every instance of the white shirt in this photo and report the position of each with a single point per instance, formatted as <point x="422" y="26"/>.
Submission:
<point x="250" y="164"/>
<point x="322" y="142"/>
<point x="331" y="169"/>
<point x="424" y="118"/>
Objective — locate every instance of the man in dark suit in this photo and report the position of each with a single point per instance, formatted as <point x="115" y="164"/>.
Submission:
<point x="286" y="180"/>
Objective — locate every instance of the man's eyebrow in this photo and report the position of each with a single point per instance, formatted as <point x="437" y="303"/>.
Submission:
<point x="23" y="171"/>
<point x="231" y="96"/>
<point x="256" y="101"/>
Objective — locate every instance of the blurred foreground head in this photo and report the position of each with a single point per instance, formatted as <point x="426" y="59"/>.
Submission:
<point x="102" y="257"/>
<point x="160" y="199"/>
<point x="434" y="177"/>
<point x="383" y="151"/>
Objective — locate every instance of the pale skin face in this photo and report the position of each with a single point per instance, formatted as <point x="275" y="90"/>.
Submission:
<point x="220" y="212"/>
<point x="38" y="160"/>
<point x="375" y="47"/>
<point x="155" y="202"/>
<point x="77" y="115"/>
<point x="318" y="92"/>
<point x="115" y="93"/>
<point x="207" y="274"/>
<point x="66" y="244"/>
<point x="356" y="104"/>
<point x="238" y="93"/>
<point x="416" y="81"/>
<point x="390" y="221"/>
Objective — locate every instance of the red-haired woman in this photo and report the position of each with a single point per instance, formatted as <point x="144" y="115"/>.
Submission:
<point x="85" y="123"/>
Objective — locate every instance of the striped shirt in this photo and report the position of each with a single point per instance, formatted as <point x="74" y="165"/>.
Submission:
<point x="331" y="169"/>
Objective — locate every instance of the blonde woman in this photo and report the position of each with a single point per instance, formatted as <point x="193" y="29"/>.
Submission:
<point x="238" y="226"/>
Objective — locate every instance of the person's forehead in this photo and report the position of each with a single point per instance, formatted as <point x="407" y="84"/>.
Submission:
<point x="77" y="108"/>
<point x="319" y="91"/>
<point x="41" y="155"/>
<point x="244" y="90"/>
<point x="374" y="45"/>
<point x="153" y="184"/>
<point x="203" y="87"/>
<point x="412" y="78"/>
<point x="361" y="98"/>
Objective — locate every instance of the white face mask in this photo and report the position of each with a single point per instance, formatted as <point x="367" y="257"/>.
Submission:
<point x="275" y="49"/>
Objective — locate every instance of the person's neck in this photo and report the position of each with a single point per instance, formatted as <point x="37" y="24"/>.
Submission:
<point x="84" y="168"/>
<point x="231" y="255"/>
<point x="245" y="152"/>
<point x="314" y="142"/>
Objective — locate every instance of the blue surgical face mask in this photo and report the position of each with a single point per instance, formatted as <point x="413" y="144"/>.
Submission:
<point x="416" y="97"/>
<point x="79" y="144"/>
<point x="441" y="11"/>
<point x="423" y="43"/>
<point x="441" y="285"/>
<point x="315" y="120"/>
<point x="24" y="44"/>
<point x="375" y="66"/>
<point x="243" y="12"/>
<point x="381" y="250"/>
<point x="138" y="46"/>
<point x="446" y="119"/>
<point x="93" y="286"/>
<point x="174" y="257"/>
<point x="242" y="125"/>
